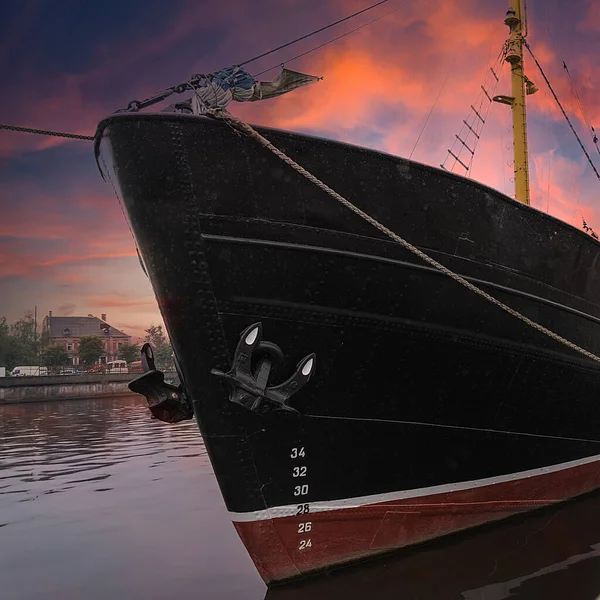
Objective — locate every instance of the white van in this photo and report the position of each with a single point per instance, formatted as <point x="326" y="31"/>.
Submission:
<point x="117" y="366"/>
<point x="29" y="371"/>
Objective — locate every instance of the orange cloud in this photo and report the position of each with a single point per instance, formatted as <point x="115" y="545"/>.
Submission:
<point x="386" y="78"/>
<point x="399" y="62"/>
<point x="120" y="302"/>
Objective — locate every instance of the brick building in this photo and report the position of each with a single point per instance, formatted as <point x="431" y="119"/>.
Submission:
<point x="68" y="331"/>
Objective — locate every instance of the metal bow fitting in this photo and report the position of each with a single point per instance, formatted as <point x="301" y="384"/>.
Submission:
<point x="167" y="402"/>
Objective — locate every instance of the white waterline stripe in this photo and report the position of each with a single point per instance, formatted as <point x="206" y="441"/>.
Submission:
<point x="325" y="505"/>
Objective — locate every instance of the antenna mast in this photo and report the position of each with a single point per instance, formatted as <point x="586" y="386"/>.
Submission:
<point x="521" y="86"/>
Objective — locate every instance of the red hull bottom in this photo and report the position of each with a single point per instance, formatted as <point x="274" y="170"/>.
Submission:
<point x="286" y="547"/>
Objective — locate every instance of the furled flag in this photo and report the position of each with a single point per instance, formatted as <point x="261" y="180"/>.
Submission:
<point x="218" y="89"/>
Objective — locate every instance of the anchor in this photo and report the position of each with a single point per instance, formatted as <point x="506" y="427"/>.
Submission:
<point x="167" y="402"/>
<point x="253" y="363"/>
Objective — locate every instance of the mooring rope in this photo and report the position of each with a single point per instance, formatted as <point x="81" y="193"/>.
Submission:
<point x="248" y="130"/>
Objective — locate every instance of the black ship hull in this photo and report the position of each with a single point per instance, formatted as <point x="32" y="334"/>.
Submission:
<point x="430" y="409"/>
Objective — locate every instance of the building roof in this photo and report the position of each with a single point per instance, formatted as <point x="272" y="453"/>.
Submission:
<point x="79" y="326"/>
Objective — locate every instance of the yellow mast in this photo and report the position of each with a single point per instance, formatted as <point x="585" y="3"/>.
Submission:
<point x="514" y="56"/>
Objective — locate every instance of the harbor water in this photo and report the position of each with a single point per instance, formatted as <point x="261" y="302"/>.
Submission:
<point x="98" y="500"/>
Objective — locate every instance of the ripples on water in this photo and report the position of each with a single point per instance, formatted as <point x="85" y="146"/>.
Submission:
<point x="99" y="501"/>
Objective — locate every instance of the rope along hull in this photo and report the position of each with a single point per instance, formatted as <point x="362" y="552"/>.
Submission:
<point x="419" y="382"/>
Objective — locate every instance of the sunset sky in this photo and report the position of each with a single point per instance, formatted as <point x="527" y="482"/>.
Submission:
<point x="64" y="243"/>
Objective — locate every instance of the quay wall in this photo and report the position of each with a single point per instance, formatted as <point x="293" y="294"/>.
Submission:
<point x="14" y="390"/>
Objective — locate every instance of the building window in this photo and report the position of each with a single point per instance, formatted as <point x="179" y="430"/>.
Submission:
<point x="70" y="346"/>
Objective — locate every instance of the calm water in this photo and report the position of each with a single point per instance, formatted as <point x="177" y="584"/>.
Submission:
<point x="99" y="501"/>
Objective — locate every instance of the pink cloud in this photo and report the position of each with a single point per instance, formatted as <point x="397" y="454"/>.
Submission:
<point x="12" y="264"/>
<point x="591" y="19"/>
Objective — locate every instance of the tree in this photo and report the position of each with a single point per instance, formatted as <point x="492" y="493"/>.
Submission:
<point x="155" y="336"/>
<point x="4" y="341"/>
<point x="129" y="352"/>
<point x="24" y="343"/>
<point x="91" y="348"/>
<point x="45" y="338"/>
<point x="18" y="344"/>
<point x="20" y="353"/>
<point x="24" y="329"/>
<point x="55" y="355"/>
<point x="163" y="353"/>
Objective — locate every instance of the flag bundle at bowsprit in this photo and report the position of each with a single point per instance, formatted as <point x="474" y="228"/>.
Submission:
<point x="218" y="89"/>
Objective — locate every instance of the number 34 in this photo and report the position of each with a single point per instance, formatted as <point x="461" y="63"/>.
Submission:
<point x="298" y="453"/>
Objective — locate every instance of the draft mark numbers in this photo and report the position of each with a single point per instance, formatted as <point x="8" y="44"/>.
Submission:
<point x="298" y="453"/>
<point x="301" y="490"/>
<point x="304" y="527"/>
<point x="302" y="509"/>
<point x="299" y="472"/>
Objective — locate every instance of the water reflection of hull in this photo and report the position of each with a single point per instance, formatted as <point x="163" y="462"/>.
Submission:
<point x="553" y="553"/>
